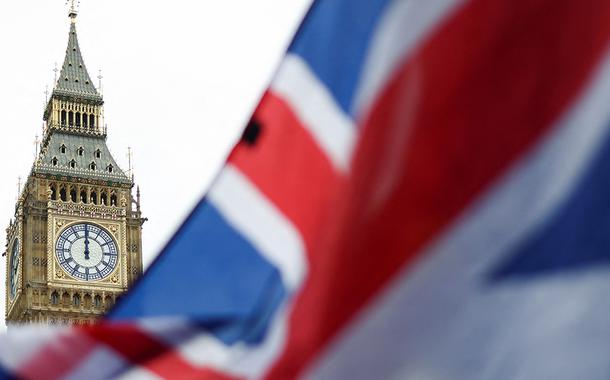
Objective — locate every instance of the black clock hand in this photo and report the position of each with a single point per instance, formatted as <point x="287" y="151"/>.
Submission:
<point x="86" y="243"/>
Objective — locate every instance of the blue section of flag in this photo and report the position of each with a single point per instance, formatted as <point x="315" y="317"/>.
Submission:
<point x="210" y="275"/>
<point x="5" y="375"/>
<point x="577" y="236"/>
<point x="334" y="39"/>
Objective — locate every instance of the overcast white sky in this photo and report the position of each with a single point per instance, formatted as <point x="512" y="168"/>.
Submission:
<point x="180" y="80"/>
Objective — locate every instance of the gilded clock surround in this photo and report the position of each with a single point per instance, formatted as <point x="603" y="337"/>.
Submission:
<point x="73" y="180"/>
<point x="116" y="278"/>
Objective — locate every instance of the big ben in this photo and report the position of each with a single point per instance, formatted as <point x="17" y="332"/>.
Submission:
<point x="75" y="243"/>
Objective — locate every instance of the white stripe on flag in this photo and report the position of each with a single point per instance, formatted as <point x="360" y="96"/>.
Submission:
<point x="101" y="363"/>
<point x="241" y="360"/>
<point x="404" y="25"/>
<point x="315" y="107"/>
<point x="261" y="223"/>
<point x="138" y="373"/>
<point x="203" y="350"/>
<point x="22" y="343"/>
<point x="441" y="319"/>
<point x="274" y="236"/>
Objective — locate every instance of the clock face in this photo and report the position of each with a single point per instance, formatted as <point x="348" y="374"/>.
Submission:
<point x="86" y="252"/>
<point x="14" y="269"/>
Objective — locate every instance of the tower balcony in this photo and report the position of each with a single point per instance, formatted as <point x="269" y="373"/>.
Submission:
<point x="98" y="131"/>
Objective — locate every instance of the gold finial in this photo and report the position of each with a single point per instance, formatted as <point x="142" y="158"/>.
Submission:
<point x="36" y="144"/>
<point x="73" y="12"/>
<point x="100" y="77"/>
<point x="18" y="187"/>
<point x="129" y="158"/>
<point x="46" y="97"/>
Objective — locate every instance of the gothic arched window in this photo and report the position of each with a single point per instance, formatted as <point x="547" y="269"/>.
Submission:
<point x="76" y="300"/>
<point x="92" y="166"/>
<point x="91" y="121"/>
<point x="97" y="301"/>
<point x="54" y="161"/>
<point x="73" y="195"/>
<point x="110" y="168"/>
<point x="85" y="120"/>
<point x="83" y="196"/>
<point x="62" y="149"/>
<point x="80" y="151"/>
<point x="113" y="200"/>
<point x="98" y="153"/>
<point x="87" y="300"/>
<point x="94" y="197"/>
<point x="104" y="199"/>
<point x="53" y="193"/>
<point x="71" y="118"/>
<point x="62" y="194"/>
<point x="63" y="118"/>
<point x="54" y="298"/>
<point x="78" y="119"/>
<point x="65" y="299"/>
<point x="72" y="164"/>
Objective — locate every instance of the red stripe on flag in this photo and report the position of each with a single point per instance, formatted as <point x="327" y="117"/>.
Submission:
<point x="478" y="95"/>
<point x="57" y="357"/>
<point x="139" y="348"/>
<point x="288" y="166"/>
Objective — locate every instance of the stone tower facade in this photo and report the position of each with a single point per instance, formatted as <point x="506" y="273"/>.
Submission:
<point x="75" y="243"/>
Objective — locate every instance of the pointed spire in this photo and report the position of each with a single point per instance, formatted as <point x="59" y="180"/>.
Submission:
<point x="74" y="80"/>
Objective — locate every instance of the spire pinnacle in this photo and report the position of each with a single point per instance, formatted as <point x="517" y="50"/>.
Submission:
<point x="74" y="80"/>
<point x="73" y="12"/>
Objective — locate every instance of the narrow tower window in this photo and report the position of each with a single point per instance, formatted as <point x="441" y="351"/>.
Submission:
<point x="54" y="161"/>
<point x="76" y="300"/>
<point x="104" y="199"/>
<point x="91" y="121"/>
<point x="85" y="120"/>
<point x="73" y="195"/>
<point x="65" y="299"/>
<point x="94" y="197"/>
<point x="63" y="118"/>
<point x="71" y="119"/>
<point x="78" y="119"/>
<point x="72" y="164"/>
<point x="83" y="196"/>
<point x="87" y="300"/>
<point x="97" y="301"/>
<point x="62" y="149"/>
<point x="53" y="193"/>
<point x="54" y="298"/>
<point x="98" y="153"/>
<point x="110" y="168"/>
<point x="113" y="200"/>
<point x="81" y="151"/>
<point x="92" y="166"/>
<point x="62" y="194"/>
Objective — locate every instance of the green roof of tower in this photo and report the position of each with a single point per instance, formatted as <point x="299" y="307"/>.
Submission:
<point x="74" y="79"/>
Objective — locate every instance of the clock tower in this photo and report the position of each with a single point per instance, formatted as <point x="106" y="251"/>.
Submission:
<point x="75" y="243"/>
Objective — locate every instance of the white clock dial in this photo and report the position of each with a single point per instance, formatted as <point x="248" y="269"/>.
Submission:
<point x="87" y="252"/>
<point x="14" y="269"/>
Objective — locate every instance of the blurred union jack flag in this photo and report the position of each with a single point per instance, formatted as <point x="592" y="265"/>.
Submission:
<point x="422" y="193"/>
